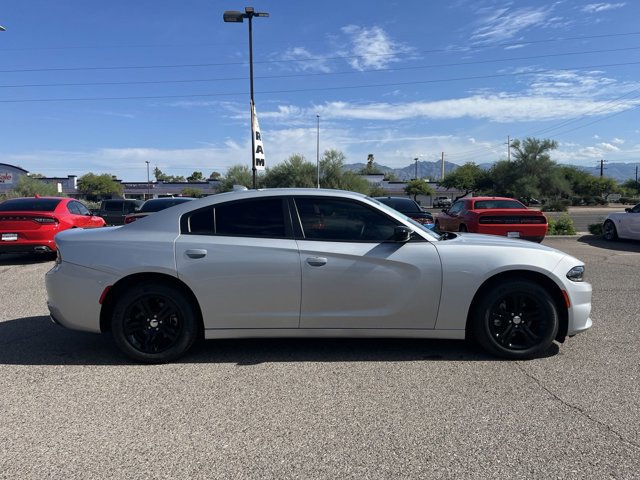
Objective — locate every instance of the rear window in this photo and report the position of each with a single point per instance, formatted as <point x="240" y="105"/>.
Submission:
<point x="112" y="206"/>
<point x="30" y="204"/>
<point x="491" y="204"/>
<point x="401" y="204"/>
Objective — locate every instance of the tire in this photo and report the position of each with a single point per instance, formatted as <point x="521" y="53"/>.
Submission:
<point x="516" y="319"/>
<point x="609" y="231"/>
<point x="154" y="323"/>
<point x="462" y="228"/>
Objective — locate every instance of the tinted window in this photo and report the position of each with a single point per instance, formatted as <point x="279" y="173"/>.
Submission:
<point x="73" y="208"/>
<point x="112" y="206"/>
<point x="252" y="218"/>
<point x="401" y="204"/>
<point x="490" y="204"/>
<point x="30" y="204"/>
<point x="343" y="220"/>
<point x="82" y="210"/>
<point x="457" y="207"/>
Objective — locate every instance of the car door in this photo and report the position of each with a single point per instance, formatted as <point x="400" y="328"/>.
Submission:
<point x="450" y="220"/>
<point x="242" y="263"/>
<point x="354" y="275"/>
<point x="631" y="221"/>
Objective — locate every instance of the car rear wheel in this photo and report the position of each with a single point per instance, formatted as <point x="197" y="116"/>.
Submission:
<point x="462" y="228"/>
<point x="516" y="319"/>
<point x="154" y="323"/>
<point x="609" y="231"/>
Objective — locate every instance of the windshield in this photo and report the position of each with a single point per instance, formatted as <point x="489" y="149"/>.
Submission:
<point x="419" y="226"/>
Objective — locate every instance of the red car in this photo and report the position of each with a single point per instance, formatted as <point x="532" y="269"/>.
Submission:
<point x="28" y="225"/>
<point x="493" y="215"/>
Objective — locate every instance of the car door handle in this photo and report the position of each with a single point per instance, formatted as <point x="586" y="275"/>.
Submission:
<point x="196" y="253"/>
<point x="317" y="261"/>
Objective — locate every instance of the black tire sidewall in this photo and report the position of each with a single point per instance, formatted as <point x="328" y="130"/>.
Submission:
<point x="188" y="332"/>
<point x="481" y="319"/>
<point x="614" y="233"/>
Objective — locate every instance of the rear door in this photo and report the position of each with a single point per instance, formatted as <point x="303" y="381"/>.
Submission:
<point x="355" y="276"/>
<point x="241" y="261"/>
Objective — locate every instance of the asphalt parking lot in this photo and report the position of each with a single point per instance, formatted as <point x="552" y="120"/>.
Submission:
<point x="71" y="406"/>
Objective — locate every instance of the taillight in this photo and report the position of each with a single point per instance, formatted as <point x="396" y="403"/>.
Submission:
<point x="423" y="220"/>
<point x="129" y="219"/>
<point x="46" y="220"/>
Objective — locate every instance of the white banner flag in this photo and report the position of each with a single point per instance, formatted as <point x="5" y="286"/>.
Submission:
<point x="258" y="153"/>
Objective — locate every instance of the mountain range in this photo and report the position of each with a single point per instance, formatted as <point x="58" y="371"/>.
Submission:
<point x="619" y="171"/>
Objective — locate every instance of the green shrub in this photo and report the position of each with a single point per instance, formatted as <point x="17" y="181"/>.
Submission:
<point x="556" y="206"/>
<point x="561" y="226"/>
<point x="629" y="201"/>
<point x="595" y="228"/>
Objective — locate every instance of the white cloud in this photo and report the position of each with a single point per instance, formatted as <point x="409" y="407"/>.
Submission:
<point x="601" y="7"/>
<point x="372" y="48"/>
<point x="505" y="24"/>
<point x="617" y="141"/>
<point x="300" y="58"/>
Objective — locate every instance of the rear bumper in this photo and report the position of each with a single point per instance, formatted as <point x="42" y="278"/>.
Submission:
<point x="28" y="247"/>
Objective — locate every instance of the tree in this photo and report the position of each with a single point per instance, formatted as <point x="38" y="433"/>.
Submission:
<point x="215" y="176"/>
<point x="371" y="167"/>
<point x="237" y="175"/>
<point x="293" y="172"/>
<point x="163" y="177"/>
<point x="334" y="176"/>
<point x="191" y="192"/>
<point x="196" y="177"/>
<point x="28" y="186"/>
<point x="99" y="186"/>
<point x="466" y="178"/>
<point x="418" y="187"/>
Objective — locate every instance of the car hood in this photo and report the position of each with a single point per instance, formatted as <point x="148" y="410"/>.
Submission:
<point x="481" y="240"/>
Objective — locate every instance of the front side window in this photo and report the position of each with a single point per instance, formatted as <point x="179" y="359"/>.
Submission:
<point x="250" y="218"/>
<point x="342" y="220"/>
<point x="456" y="208"/>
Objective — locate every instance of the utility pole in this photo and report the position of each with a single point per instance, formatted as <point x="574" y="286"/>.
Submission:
<point x="442" y="165"/>
<point x="416" y="160"/>
<point x="318" y="152"/>
<point x="508" y="148"/>
<point x="602" y="167"/>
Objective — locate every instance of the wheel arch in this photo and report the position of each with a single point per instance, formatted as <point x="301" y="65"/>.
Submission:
<point x="538" y="278"/>
<point x="123" y="284"/>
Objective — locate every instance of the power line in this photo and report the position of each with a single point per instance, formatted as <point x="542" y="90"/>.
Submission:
<point x="300" y="90"/>
<point x="199" y="65"/>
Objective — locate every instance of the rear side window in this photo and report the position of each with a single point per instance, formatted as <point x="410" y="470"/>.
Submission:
<point x="30" y="204"/>
<point x="249" y="218"/>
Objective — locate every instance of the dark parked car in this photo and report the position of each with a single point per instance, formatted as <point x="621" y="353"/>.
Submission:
<point x="155" y="205"/>
<point x="410" y="208"/>
<point x="114" y="211"/>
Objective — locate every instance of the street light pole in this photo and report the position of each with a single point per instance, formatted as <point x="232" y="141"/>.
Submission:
<point x="232" y="16"/>
<point x="318" y="150"/>
<point x="416" y="160"/>
<point x="148" y="183"/>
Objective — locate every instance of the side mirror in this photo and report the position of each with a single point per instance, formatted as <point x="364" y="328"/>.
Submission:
<point x="402" y="234"/>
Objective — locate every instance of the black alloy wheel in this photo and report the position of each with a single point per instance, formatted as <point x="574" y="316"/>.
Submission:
<point x="154" y="323"/>
<point x="517" y="319"/>
<point x="609" y="231"/>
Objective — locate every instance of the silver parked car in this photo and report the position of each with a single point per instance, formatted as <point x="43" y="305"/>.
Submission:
<point x="310" y="263"/>
<point x="623" y="224"/>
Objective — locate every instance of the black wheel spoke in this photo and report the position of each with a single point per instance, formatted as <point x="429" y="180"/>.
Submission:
<point x="506" y="335"/>
<point x="529" y="336"/>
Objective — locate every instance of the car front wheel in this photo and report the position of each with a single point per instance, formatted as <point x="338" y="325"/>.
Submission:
<point x="516" y="319"/>
<point x="609" y="231"/>
<point x="154" y="323"/>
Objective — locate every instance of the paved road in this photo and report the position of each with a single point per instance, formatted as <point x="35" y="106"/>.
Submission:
<point x="72" y="407"/>
<point x="584" y="216"/>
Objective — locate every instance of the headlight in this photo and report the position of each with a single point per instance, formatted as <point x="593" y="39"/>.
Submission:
<point x="576" y="274"/>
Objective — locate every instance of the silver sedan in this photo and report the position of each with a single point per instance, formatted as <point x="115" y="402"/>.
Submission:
<point x="309" y="263"/>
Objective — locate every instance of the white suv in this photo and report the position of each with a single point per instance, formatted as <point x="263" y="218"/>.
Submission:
<point x="444" y="202"/>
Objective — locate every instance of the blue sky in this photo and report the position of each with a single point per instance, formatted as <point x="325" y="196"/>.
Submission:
<point x="106" y="86"/>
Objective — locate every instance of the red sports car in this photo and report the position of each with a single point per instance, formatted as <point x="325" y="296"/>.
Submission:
<point x="493" y="215"/>
<point x="28" y="225"/>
